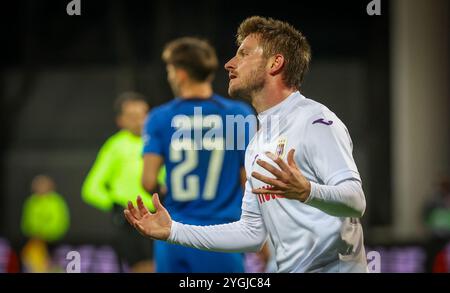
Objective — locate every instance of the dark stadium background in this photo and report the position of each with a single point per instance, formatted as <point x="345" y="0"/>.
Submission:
<point x="60" y="75"/>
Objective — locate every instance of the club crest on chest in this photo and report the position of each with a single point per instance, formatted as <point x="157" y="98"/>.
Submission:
<point x="281" y="147"/>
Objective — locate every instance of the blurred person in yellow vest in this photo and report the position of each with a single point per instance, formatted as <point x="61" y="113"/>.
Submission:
<point x="115" y="178"/>
<point x="45" y="219"/>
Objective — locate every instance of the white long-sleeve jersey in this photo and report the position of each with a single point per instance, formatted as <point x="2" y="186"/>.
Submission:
<point x="321" y="235"/>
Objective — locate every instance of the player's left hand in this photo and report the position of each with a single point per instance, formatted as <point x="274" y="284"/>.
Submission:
<point x="288" y="182"/>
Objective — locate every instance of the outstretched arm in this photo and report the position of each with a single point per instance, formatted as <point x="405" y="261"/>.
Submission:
<point x="247" y="234"/>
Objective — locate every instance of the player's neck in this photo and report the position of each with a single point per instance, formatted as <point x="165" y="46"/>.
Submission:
<point x="270" y="97"/>
<point x="196" y="90"/>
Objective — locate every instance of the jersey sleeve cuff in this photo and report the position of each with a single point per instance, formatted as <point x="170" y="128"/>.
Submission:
<point x="151" y="151"/>
<point x="312" y="193"/>
<point x="173" y="231"/>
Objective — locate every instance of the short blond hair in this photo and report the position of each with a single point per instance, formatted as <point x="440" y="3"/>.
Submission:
<point x="278" y="37"/>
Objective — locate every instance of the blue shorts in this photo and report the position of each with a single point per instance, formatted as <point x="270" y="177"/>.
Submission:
<point x="171" y="258"/>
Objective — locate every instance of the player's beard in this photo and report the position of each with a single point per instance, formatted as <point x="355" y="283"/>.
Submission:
<point x="250" y="85"/>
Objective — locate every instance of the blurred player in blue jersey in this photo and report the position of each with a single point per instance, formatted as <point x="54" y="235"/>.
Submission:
<point x="203" y="155"/>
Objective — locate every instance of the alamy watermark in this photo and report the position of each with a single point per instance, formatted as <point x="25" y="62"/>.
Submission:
<point x="74" y="265"/>
<point x="211" y="132"/>
<point x="74" y="7"/>
<point x="374" y="8"/>
<point x="373" y="261"/>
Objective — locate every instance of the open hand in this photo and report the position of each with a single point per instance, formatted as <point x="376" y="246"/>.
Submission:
<point x="288" y="182"/>
<point x="156" y="225"/>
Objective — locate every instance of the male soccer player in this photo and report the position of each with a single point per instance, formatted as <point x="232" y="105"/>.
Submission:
<point x="309" y="201"/>
<point x="116" y="173"/>
<point x="187" y="135"/>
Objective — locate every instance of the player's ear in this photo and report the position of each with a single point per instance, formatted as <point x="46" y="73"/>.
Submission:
<point x="181" y="74"/>
<point x="276" y="64"/>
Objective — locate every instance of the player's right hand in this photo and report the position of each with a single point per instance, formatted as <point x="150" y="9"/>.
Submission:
<point x="156" y="225"/>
